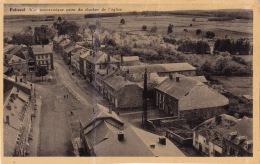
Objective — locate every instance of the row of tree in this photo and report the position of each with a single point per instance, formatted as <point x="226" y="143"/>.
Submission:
<point x="199" y="47"/>
<point x="240" y="46"/>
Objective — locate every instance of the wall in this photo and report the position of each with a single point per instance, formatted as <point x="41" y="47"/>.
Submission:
<point x="205" y="113"/>
<point x="130" y="96"/>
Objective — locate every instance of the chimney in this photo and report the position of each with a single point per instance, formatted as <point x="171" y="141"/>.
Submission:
<point x="177" y="79"/>
<point x="218" y="119"/>
<point x="8" y="106"/>
<point x="120" y="136"/>
<point x="15" y="78"/>
<point x="162" y="140"/>
<point x="108" y="58"/>
<point x="170" y="75"/>
<point x="7" y="120"/>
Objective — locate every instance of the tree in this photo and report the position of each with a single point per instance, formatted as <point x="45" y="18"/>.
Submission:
<point x="153" y="29"/>
<point x="170" y="29"/>
<point x="25" y="39"/>
<point x="41" y="71"/>
<point x="43" y="34"/>
<point x="198" y="31"/>
<point x="71" y="28"/>
<point x="206" y="67"/>
<point x="122" y="21"/>
<point x="144" y="27"/>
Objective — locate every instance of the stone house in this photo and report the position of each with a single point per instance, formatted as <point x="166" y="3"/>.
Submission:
<point x="99" y="62"/>
<point x="122" y="93"/>
<point x="238" y="140"/>
<point x="43" y="56"/>
<point x="207" y="137"/>
<point x="188" y="98"/>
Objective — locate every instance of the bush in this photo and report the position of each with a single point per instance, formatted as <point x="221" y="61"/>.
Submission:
<point x="122" y="21"/>
<point x="198" y="31"/>
<point x="144" y="27"/>
<point x="169" y="40"/>
<point x="210" y="34"/>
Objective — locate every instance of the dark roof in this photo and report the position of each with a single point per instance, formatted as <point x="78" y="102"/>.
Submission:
<point x="160" y="68"/>
<point x="16" y="50"/>
<point x="117" y="82"/>
<point x="191" y="93"/>
<point x="100" y="57"/>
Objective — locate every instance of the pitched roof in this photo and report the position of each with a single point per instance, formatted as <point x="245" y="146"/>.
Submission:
<point x="117" y="82"/>
<point x="214" y="131"/>
<point x="160" y="68"/>
<point x="69" y="49"/>
<point x="15" y="50"/>
<point x="136" y="143"/>
<point x="101" y="113"/>
<point x="244" y="127"/>
<point x="191" y="93"/>
<point x="100" y="57"/>
<point x="14" y="109"/>
<point x="130" y="58"/>
<point x="16" y="59"/>
<point x="200" y="78"/>
<point x="41" y="49"/>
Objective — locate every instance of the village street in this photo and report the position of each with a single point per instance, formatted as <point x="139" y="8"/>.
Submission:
<point x="55" y="128"/>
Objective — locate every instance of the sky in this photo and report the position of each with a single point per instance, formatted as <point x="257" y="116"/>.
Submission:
<point x="39" y="9"/>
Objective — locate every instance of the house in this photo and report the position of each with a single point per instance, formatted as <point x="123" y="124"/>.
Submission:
<point x="17" y="112"/>
<point x="83" y="67"/>
<point x="98" y="61"/>
<point x="188" y="98"/>
<point x="162" y="69"/>
<point x="64" y="45"/>
<point x="208" y="136"/>
<point x="238" y="140"/>
<point x="67" y="53"/>
<point x="107" y="135"/>
<point x="18" y="64"/>
<point x="130" y="60"/>
<point x="75" y="55"/>
<point x="56" y="42"/>
<point x="118" y="91"/>
<point x="43" y="56"/>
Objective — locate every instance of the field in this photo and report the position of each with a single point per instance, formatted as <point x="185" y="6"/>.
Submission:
<point x="234" y="29"/>
<point x="237" y="85"/>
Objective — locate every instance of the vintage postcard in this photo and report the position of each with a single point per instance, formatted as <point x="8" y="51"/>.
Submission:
<point x="174" y="80"/>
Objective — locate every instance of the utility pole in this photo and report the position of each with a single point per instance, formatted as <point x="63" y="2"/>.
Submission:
<point x="144" y="115"/>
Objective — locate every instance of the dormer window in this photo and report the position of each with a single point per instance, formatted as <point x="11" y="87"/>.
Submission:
<point x="248" y="144"/>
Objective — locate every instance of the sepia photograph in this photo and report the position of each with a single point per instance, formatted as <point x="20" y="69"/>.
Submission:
<point x="83" y="80"/>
